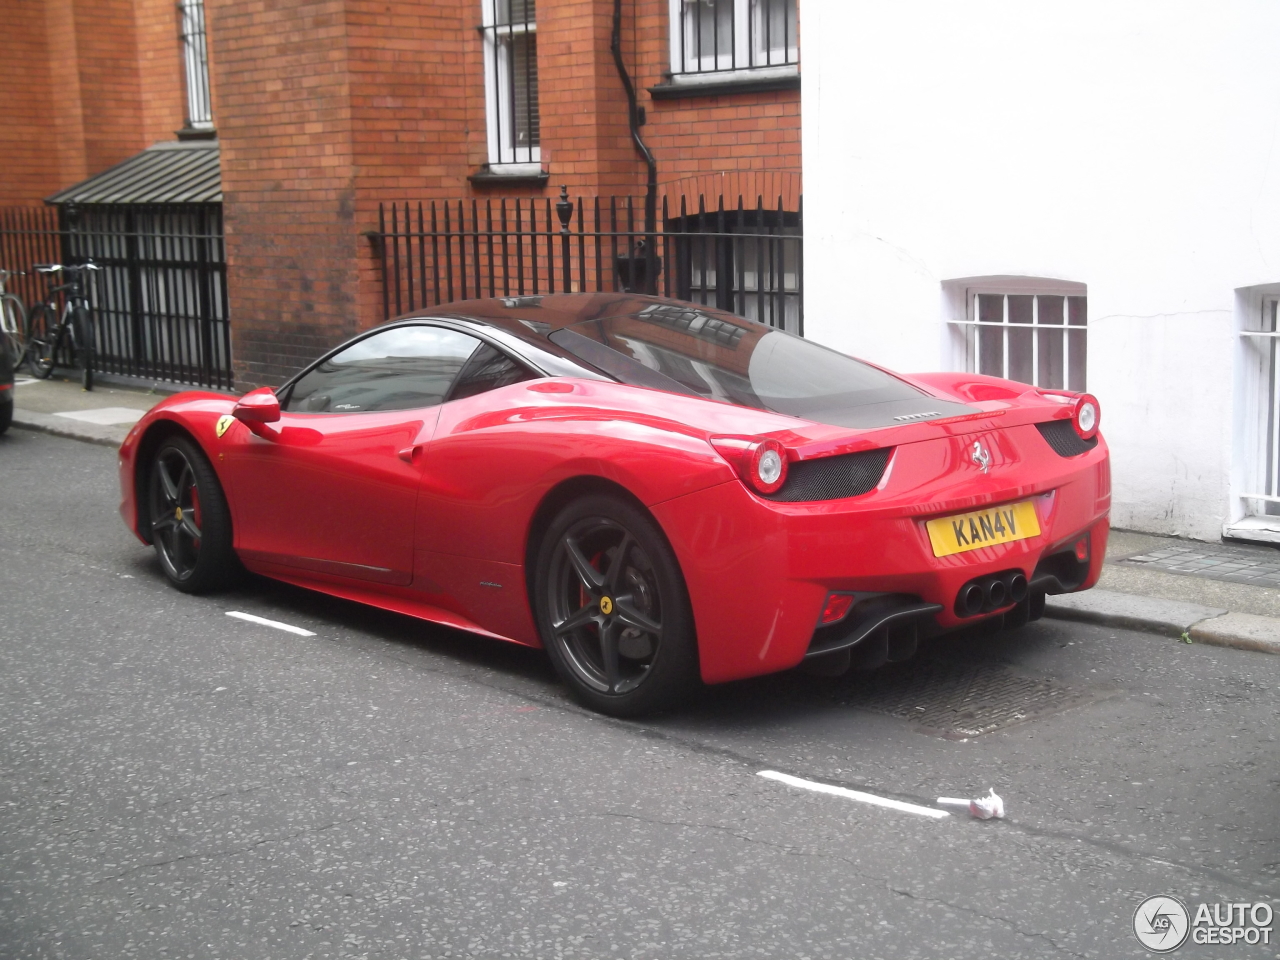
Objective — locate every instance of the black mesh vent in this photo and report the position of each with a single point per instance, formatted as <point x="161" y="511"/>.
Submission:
<point x="1062" y="436"/>
<point x="831" y="478"/>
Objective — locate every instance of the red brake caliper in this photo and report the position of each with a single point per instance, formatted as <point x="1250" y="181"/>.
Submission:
<point x="195" y="508"/>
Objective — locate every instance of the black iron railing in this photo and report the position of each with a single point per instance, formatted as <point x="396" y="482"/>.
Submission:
<point x="745" y="259"/>
<point x="161" y="299"/>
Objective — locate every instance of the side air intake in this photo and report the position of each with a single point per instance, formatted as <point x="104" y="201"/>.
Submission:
<point x="832" y="478"/>
<point x="1062" y="436"/>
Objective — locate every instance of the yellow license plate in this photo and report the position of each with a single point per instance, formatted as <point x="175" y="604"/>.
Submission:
<point x="983" y="528"/>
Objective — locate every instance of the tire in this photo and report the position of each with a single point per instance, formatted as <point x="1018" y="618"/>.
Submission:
<point x="42" y="325"/>
<point x="612" y="608"/>
<point x="190" y="521"/>
<point x="6" y="416"/>
<point x="82" y="324"/>
<point x="15" y="324"/>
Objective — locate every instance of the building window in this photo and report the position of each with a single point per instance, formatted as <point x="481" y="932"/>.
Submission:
<point x="1261" y="467"/>
<point x="745" y="261"/>
<point x="714" y="36"/>
<point x="511" y="84"/>
<point x="195" y="60"/>
<point x="1035" y="338"/>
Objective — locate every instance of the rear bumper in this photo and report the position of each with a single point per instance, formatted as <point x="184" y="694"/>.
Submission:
<point x="758" y="572"/>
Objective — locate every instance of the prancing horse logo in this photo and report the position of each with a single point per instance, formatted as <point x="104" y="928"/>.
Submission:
<point x="981" y="457"/>
<point x="224" y="424"/>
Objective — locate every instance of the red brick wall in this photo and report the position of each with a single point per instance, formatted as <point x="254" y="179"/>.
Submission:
<point x="282" y="102"/>
<point x="110" y="81"/>
<point x="84" y="84"/>
<point x="726" y="134"/>
<point x="328" y="107"/>
<point x="32" y="160"/>
<point x="161" y="81"/>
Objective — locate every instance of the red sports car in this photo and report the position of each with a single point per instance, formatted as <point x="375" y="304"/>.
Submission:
<point x="654" y="491"/>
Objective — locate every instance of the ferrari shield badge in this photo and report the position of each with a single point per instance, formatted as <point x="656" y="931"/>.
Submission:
<point x="224" y="423"/>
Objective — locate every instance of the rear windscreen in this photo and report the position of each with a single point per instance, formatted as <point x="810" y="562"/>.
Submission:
<point x="722" y="357"/>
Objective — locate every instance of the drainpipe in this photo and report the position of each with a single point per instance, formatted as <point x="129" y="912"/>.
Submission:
<point x="651" y="188"/>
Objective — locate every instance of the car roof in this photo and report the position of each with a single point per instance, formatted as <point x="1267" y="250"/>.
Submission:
<point x="534" y="318"/>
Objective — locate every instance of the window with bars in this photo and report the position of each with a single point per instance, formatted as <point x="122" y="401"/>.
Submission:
<point x="1261" y="337"/>
<point x="745" y="261"/>
<point x="1035" y="338"/>
<point x="511" y="83"/>
<point x="195" y="61"/>
<point x="715" y="36"/>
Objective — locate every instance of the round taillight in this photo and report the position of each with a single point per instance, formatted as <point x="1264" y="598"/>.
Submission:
<point x="762" y="464"/>
<point x="1087" y="416"/>
<point x="768" y="466"/>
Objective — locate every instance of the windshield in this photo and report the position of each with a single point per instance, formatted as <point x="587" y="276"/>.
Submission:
<point x="722" y="357"/>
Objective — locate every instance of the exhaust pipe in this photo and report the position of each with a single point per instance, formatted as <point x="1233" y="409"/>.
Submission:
<point x="995" y="593"/>
<point x="1016" y="587"/>
<point x="970" y="599"/>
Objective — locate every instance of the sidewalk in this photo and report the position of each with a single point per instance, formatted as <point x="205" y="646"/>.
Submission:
<point x="61" y="407"/>
<point x="1215" y="593"/>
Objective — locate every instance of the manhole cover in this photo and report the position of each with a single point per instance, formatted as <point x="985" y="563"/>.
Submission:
<point x="958" y="699"/>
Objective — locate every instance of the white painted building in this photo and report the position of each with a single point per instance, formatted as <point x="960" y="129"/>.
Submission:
<point x="1004" y="162"/>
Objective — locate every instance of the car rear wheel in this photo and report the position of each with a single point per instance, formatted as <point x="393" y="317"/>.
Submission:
<point x="613" y="610"/>
<point x="190" y="522"/>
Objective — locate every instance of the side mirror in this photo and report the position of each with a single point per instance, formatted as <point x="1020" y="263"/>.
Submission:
<point x="257" y="406"/>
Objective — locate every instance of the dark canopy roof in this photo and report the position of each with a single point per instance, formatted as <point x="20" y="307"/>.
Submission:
<point x="179" y="172"/>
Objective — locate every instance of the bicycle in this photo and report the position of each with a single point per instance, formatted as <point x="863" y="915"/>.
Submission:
<point x="13" y="319"/>
<point x="46" y="332"/>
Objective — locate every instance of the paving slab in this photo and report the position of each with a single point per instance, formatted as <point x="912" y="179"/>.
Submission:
<point x="60" y="406"/>
<point x="104" y="416"/>
<point x="106" y="435"/>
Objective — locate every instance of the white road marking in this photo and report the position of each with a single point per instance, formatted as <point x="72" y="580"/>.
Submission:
<point x="270" y="623"/>
<point x="853" y="795"/>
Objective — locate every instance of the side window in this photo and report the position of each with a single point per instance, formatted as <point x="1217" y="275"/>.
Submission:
<point x="488" y="369"/>
<point x="394" y="370"/>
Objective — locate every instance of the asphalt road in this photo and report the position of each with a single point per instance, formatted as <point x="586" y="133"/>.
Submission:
<point x="178" y="783"/>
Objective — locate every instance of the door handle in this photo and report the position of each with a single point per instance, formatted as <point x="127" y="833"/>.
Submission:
<point x="410" y="454"/>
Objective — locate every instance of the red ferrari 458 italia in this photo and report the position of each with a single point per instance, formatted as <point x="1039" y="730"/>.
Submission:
<point x="656" y="492"/>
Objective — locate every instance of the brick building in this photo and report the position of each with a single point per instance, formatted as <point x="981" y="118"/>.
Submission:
<point x="326" y="109"/>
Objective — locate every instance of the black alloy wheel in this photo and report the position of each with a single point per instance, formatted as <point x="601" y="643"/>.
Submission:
<point x="190" y="522"/>
<point x="613" y="610"/>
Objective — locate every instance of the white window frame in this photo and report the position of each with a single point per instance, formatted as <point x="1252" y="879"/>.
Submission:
<point x="195" y="64"/>
<point x="746" y="58"/>
<point x="505" y="157"/>
<point x="1257" y="442"/>
<point x="966" y="326"/>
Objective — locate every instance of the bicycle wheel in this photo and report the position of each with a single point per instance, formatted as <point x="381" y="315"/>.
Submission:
<point x="42" y="339"/>
<point x="13" y="317"/>
<point x="82" y="324"/>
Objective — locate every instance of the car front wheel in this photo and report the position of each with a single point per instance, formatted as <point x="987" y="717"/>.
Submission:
<point x="612" y="608"/>
<point x="190" y="521"/>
